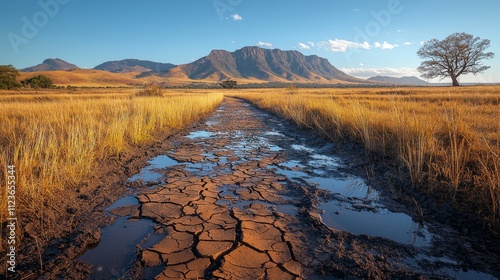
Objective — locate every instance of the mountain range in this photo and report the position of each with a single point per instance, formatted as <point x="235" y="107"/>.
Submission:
<point x="255" y="63"/>
<point x="246" y="65"/>
<point x="134" y="65"/>
<point x="408" y="80"/>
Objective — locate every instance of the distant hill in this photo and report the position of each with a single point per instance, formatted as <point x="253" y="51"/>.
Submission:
<point x="134" y="65"/>
<point x="259" y="64"/>
<point x="51" y="64"/>
<point x="409" y="80"/>
<point x="92" y="77"/>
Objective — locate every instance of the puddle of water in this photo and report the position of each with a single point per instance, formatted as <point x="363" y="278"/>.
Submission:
<point x="162" y="161"/>
<point x="323" y="160"/>
<point x="148" y="173"/>
<point x="273" y="133"/>
<point x="302" y="148"/>
<point x="200" y="134"/>
<point x="350" y="187"/>
<point x="287" y="209"/>
<point x="241" y="204"/>
<point x="211" y="123"/>
<point x="222" y="202"/>
<point x="201" y="168"/>
<point x="124" y="201"/>
<point x="226" y="190"/>
<point x="152" y="272"/>
<point x="292" y="164"/>
<point x="115" y="254"/>
<point x="274" y="148"/>
<point x="395" y="226"/>
<point x="290" y="174"/>
<point x="151" y="240"/>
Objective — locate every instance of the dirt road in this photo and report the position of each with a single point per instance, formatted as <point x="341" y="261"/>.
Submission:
<point x="247" y="196"/>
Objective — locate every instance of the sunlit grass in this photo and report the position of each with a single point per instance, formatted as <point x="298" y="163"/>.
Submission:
<point x="57" y="138"/>
<point x="447" y="138"/>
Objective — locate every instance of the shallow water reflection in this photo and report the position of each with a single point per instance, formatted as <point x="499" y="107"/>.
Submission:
<point x="398" y="227"/>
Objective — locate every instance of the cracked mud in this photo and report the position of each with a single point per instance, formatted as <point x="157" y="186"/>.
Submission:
<point x="217" y="208"/>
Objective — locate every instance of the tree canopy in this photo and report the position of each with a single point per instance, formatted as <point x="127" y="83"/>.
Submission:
<point x="39" y="81"/>
<point x="8" y="75"/>
<point x="458" y="54"/>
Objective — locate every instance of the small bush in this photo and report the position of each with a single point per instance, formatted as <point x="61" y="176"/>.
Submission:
<point x="228" y="84"/>
<point x="292" y="89"/>
<point x="39" y="81"/>
<point x="151" y="90"/>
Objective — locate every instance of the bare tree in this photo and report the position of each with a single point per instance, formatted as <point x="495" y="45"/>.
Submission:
<point x="459" y="53"/>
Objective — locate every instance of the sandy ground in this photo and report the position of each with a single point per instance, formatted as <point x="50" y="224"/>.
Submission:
<point x="223" y="211"/>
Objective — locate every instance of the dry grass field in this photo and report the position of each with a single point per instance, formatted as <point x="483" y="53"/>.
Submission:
<point x="55" y="138"/>
<point x="447" y="138"/>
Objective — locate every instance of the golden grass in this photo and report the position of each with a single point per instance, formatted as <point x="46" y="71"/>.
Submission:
<point x="55" y="139"/>
<point x="447" y="138"/>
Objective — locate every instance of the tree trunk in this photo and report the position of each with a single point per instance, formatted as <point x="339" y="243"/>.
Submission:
<point x="454" y="80"/>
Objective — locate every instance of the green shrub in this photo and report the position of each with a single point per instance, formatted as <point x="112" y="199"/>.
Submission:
<point x="39" y="81"/>
<point x="8" y="75"/>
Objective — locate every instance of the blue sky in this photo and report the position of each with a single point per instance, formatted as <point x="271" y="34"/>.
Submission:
<point x="361" y="37"/>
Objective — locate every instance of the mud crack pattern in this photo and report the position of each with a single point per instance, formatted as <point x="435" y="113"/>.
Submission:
<point x="219" y="206"/>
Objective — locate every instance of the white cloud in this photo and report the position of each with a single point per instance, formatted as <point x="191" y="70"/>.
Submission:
<point x="304" y="46"/>
<point x="265" y="44"/>
<point x="384" y="45"/>
<point x="338" y="45"/>
<point x="307" y="46"/>
<point x="236" y="17"/>
<point x="408" y="43"/>
<point x="365" y="73"/>
<point x="387" y="46"/>
<point x="422" y="42"/>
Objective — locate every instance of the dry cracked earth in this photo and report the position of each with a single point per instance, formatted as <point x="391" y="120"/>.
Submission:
<point x="219" y="212"/>
<point x="223" y="211"/>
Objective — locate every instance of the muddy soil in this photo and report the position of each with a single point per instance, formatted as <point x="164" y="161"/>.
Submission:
<point x="245" y="195"/>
